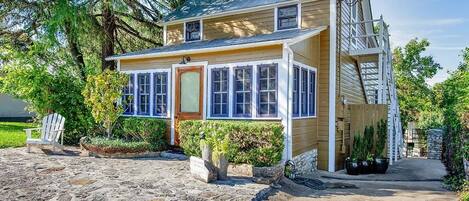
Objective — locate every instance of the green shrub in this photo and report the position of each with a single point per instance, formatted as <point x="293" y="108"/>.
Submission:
<point x="251" y="142"/>
<point x="381" y="139"/>
<point x="464" y="193"/>
<point x="104" y="145"/>
<point x="149" y="130"/>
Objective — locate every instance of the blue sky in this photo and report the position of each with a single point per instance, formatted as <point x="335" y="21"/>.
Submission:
<point x="445" y="23"/>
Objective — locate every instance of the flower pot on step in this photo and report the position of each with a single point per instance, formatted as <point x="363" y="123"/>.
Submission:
<point x="381" y="165"/>
<point x="352" y="167"/>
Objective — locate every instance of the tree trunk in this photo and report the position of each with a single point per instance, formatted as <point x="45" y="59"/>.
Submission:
<point x="75" y="50"/>
<point x="109" y="27"/>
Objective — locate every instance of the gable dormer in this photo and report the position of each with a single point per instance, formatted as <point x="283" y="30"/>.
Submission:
<point x="215" y="19"/>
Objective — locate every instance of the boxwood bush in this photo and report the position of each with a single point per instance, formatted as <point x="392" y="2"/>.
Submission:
<point x="251" y="142"/>
<point x="148" y="130"/>
<point x="104" y="145"/>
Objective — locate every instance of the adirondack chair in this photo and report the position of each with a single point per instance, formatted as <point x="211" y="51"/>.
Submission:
<point x="52" y="129"/>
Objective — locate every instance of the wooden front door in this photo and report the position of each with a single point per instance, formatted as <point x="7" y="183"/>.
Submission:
<point x="189" y="96"/>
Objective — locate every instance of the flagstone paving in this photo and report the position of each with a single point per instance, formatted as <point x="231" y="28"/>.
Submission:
<point x="38" y="176"/>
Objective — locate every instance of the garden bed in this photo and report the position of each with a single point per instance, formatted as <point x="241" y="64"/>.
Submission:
<point x="117" y="148"/>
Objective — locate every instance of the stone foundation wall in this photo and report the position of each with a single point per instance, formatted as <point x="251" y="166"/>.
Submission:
<point x="306" y="163"/>
<point x="434" y="146"/>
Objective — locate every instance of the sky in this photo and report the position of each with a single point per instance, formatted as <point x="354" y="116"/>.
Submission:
<point x="445" y="23"/>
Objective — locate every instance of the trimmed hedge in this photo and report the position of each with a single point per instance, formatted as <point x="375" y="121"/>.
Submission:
<point x="148" y="130"/>
<point x="251" y="142"/>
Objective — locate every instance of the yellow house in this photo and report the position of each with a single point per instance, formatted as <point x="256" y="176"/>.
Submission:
<point x="298" y="62"/>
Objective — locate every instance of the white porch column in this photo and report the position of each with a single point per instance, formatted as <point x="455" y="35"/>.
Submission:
<point x="285" y="72"/>
<point x="332" y="82"/>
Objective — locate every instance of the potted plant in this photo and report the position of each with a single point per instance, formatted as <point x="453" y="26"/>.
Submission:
<point x="367" y="148"/>
<point x="381" y="163"/>
<point x="351" y="163"/>
<point x="220" y="145"/>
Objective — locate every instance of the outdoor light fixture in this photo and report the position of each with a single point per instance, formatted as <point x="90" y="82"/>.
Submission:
<point x="185" y="60"/>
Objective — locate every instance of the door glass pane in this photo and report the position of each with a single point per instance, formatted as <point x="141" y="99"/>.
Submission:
<point x="190" y="88"/>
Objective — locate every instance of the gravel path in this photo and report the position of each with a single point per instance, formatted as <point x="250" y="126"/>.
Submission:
<point x="38" y="176"/>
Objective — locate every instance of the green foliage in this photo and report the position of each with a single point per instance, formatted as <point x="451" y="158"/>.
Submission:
<point x="12" y="134"/>
<point x="464" y="193"/>
<point x="381" y="138"/>
<point x="149" y="130"/>
<point x="411" y="70"/>
<point x="117" y="145"/>
<point x="368" y="139"/>
<point x="256" y="143"/>
<point x="358" y="150"/>
<point x="102" y="93"/>
<point x="47" y="86"/>
<point x="453" y="98"/>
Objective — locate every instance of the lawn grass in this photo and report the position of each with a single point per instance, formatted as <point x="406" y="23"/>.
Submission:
<point x="13" y="135"/>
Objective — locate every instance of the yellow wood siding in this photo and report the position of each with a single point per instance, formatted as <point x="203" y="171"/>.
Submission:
<point x="242" y="55"/>
<point x="240" y="25"/>
<point x="323" y="102"/>
<point x="174" y="34"/>
<point x="315" y="13"/>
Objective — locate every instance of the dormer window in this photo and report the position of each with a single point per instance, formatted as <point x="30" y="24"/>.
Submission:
<point x="193" y="30"/>
<point x="287" y="17"/>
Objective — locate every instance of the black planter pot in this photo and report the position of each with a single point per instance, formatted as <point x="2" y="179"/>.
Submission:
<point x="366" y="167"/>
<point x="381" y="165"/>
<point x="352" y="167"/>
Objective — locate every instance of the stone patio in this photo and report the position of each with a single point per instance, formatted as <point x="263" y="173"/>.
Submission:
<point x="41" y="176"/>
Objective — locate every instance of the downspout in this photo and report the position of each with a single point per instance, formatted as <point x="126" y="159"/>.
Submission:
<point x="332" y="83"/>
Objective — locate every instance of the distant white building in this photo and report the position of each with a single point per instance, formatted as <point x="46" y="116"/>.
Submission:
<point x="12" y="108"/>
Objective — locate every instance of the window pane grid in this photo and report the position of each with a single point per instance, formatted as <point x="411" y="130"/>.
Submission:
<point x="193" y="31"/>
<point x="267" y="96"/>
<point x="242" y="91"/>
<point x="304" y="92"/>
<point x="144" y="94"/>
<point x="296" y="94"/>
<point x="128" y="96"/>
<point x="220" y="92"/>
<point x="312" y="93"/>
<point x="160" y="94"/>
<point x="287" y="17"/>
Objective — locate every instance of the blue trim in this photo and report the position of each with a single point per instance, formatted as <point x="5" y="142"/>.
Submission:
<point x="235" y="98"/>
<point x="146" y="76"/>
<point x="165" y="95"/>
<point x="221" y="70"/>
<point x="275" y="65"/>
<point x="279" y="18"/>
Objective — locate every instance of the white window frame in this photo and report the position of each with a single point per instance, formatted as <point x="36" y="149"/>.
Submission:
<point x="201" y="31"/>
<point x="298" y="17"/>
<point x="254" y="93"/>
<point x="353" y="25"/>
<point x="136" y="87"/>
<point x="308" y="68"/>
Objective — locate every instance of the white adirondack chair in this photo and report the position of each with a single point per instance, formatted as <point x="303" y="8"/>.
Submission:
<point x="52" y="129"/>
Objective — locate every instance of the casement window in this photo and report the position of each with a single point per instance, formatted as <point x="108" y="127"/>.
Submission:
<point x="296" y="91"/>
<point x="193" y="30"/>
<point x="287" y="17"/>
<point x="160" y="91"/>
<point x="312" y="93"/>
<point x="242" y="92"/>
<point x="146" y="94"/>
<point x="267" y="92"/>
<point x="304" y="91"/>
<point x="143" y="97"/>
<point x="128" y="96"/>
<point x="219" y="92"/>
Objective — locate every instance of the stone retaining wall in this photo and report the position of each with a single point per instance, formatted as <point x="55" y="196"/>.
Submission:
<point x="434" y="143"/>
<point x="306" y="163"/>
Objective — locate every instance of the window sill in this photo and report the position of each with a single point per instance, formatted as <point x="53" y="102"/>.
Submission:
<point x="309" y="117"/>
<point x="244" y="118"/>
<point x="148" y="116"/>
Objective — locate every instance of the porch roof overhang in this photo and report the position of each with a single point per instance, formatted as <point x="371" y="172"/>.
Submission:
<point x="277" y="38"/>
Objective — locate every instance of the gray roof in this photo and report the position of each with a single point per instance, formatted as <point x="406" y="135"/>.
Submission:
<point x="206" y="44"/>
<point x="198" y="8"/>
